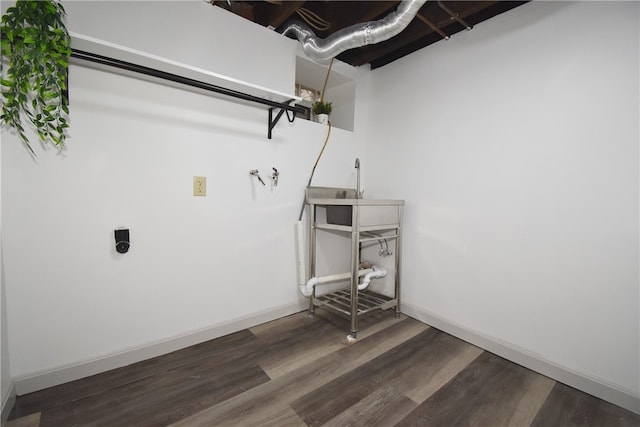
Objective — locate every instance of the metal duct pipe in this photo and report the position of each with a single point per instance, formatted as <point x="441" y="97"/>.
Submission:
<point x="322" y="50"/>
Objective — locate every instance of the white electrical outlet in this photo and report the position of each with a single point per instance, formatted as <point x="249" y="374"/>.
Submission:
<point x="199" y="186"/>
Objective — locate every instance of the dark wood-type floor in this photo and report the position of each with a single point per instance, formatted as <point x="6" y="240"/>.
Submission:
<point x="299" y="371"/>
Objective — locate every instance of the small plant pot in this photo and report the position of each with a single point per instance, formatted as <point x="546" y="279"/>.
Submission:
<point x="322" y="118"/>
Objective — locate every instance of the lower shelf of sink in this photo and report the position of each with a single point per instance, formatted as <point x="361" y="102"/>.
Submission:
<point x="368" y="301"/>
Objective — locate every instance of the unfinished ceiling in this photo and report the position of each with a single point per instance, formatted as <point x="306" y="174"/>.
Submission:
<point x="435" y="21"/>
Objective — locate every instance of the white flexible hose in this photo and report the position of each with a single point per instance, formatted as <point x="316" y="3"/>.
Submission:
<point x="302" y="270"/>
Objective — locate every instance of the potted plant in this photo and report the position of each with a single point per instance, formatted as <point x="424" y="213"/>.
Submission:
<point x="321" y="109"/>
<point x="36" y="47"/>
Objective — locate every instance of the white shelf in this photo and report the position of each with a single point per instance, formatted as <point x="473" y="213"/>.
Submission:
<point x="93" y="45"/>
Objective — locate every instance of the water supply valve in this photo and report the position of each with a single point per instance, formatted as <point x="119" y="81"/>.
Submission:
<point x="254" y="172"/>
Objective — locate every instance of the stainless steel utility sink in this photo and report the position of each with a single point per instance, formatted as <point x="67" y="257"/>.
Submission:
<point x="339" y="212"/>
<point x="340" y="203"/>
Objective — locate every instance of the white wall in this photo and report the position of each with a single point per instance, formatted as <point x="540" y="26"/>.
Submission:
<point x="195" y="263"/>
<point x="6" y="395"/>
<point x="516" y="148"/>
<point x="7" y="392"/>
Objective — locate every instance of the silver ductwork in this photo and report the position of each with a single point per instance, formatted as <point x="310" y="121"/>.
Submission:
<point x="322" y="50"/>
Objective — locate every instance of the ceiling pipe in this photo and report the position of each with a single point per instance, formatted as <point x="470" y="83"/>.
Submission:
<point x="454" y="16"/>
<point x="433" y="27"/>
<point x="323" y="50"/>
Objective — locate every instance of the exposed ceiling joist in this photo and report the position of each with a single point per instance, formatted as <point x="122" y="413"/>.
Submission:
<point x="435" y="20"/>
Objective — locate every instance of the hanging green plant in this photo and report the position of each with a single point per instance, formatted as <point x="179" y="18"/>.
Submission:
<point x="36" y="48"/>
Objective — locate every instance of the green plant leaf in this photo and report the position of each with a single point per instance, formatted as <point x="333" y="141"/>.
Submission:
<point x="29" y="39"/>
<point x="35" y="46"/>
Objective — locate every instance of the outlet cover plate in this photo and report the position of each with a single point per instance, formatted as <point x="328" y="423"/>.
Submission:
<point x="199" y="185"/>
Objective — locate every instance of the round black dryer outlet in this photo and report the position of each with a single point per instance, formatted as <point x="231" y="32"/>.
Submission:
<point x="122" y="240"/>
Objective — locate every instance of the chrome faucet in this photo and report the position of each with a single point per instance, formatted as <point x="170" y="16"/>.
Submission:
<point x="358" y="192"/>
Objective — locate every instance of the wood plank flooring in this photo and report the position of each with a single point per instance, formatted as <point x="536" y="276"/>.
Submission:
<point x="302" y="371"/>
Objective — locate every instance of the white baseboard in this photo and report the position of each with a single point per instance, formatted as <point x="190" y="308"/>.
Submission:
<point x="529" y="360"/>
<point x="49" y="378"/>
<point x="7" y="403"/>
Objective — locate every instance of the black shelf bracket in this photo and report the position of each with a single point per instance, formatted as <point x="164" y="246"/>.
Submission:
<point x="273" y="122"/>
<point x="152" y="72"/>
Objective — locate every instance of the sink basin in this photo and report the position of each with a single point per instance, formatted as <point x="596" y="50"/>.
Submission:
<point x="339" y="203"/>
<point x="343" y="196"/>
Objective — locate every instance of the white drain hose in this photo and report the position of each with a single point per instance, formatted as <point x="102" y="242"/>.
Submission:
<point x="368" y="273"/>
<point x="302" y="271"/>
